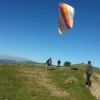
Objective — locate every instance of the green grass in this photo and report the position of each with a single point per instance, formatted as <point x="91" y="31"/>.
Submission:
<point x="77" y="88"/>
<point x="17" y="82"/>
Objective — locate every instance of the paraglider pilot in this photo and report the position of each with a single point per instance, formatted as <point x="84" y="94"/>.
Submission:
<point x="48" y="63"/>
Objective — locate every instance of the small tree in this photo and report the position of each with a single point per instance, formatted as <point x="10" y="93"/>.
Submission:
<point x="67" y="63"/>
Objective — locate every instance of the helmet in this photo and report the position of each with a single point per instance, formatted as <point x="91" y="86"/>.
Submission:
<point x="89" y="61"/>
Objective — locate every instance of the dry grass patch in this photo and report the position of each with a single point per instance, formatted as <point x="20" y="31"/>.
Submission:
<point x="95" y="88"/>
<point x="40" y="76"/>
<point x="71" y="78"/>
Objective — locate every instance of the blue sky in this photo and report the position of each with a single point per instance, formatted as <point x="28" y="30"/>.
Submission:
<point x="28" y="28"/>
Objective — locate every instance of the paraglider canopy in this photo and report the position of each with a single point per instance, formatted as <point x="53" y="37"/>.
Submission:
<point x="65" y="17"/>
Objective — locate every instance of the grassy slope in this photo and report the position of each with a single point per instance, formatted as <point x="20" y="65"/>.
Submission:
<point x="32" y="82"/>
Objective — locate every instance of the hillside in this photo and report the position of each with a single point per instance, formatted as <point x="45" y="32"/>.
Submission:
<point x="21" y="81"/>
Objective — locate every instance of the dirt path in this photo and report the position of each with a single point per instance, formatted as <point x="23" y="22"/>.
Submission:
<point x="95" y="88"/>
<point x="40" y="77"/>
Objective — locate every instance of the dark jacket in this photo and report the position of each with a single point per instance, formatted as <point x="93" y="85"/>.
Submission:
<point x="59" y="62"/>
<point x="89" y="69"/>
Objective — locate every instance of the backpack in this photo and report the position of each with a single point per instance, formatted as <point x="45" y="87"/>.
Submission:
<point x="50" y="62"/>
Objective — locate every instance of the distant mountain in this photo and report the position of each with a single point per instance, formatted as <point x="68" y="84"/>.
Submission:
<point x="7" y="61"/>
<point x="10" y="59"/>
<point x="30" y="62"/>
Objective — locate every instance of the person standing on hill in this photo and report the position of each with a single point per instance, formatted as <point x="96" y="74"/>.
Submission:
<point x="59" y="62"/>
<point x="48" y="64"/>
<point x="88" y="73"/>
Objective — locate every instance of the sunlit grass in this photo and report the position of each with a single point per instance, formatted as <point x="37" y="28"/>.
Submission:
<point x="23" y="82"/>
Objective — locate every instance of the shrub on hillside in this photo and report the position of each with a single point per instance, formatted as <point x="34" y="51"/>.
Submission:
<point x="67" y="63"/>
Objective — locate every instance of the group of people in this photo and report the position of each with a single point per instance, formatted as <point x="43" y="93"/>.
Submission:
<point x="88" y="71"/>
<point x="49" y="63"/>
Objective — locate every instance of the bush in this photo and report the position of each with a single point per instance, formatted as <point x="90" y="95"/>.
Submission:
<point x="67" y="63"/>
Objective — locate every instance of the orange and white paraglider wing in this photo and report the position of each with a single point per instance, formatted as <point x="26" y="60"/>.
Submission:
<point x="65" y="17"/>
